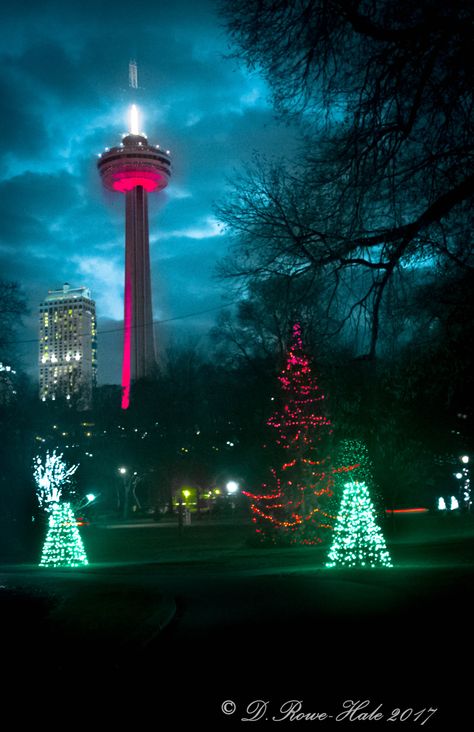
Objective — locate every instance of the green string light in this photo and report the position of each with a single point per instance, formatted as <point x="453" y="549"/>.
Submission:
<point x="63" y="545"/>
<point x="358" y="540"/>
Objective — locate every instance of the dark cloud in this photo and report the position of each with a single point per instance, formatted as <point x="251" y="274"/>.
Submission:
<point x="36" y="192"/>
<point x="22" y="130"/>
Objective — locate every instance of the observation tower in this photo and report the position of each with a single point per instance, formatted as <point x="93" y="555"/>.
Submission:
<point x="136" y="168"/>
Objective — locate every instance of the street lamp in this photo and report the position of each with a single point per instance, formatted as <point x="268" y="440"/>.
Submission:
<point x="466" y="484"/>
<point x="126" y="487"/>
<point x="89" y="498"/>
<point x="232" y="487"/>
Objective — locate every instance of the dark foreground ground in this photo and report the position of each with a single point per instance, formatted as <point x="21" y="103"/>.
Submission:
<point x="162" y="629"/>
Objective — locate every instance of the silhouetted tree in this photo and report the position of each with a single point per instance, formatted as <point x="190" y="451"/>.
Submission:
<point x="12" y="307"/>
<point x="383" y="92"/>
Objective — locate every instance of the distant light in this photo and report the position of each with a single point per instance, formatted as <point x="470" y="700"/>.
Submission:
<point x="407" y="510"/>
<point x="122" y="470"/>
<point x="441" y="504"/>
<point x="232" y="486"/>
<point x="465" y="459"/>
<point x="454" y="503"/>
<point x="186" y="493"/>
<point x="458" y="476"/>
<point x="90" y="497"/>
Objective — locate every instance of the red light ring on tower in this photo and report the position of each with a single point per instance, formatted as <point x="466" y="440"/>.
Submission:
<point x="127" y="179"/>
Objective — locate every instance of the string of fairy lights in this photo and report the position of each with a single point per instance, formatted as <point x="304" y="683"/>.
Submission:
<point x="63" y="546"/>
<point x="357" y="541"/>
<point x="296" y="508"/>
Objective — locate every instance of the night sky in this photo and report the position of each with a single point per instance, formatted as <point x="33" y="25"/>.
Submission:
<point x="65" y="97"/>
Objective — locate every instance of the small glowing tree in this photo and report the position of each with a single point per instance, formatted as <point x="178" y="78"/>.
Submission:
<point x="63" y="546"/>
<point x="358" y="540"/>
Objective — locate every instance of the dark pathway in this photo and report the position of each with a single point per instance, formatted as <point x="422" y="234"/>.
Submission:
<point x="246" y="626"/>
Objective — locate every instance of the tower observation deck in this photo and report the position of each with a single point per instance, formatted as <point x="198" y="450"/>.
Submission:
<point x="136" y="168"/>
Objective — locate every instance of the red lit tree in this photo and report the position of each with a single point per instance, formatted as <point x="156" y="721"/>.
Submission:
<point x="294" y="507"/>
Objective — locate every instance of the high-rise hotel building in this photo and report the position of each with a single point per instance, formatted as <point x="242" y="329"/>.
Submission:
<point x="67" y="345"/>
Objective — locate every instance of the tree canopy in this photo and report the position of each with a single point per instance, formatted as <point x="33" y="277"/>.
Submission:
<point x="379" y="198"/>
<point x="12" y="308"/>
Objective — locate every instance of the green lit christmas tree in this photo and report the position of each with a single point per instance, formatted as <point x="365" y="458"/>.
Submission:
<point x="63" y="546"/>
<point x="358" y="540"/>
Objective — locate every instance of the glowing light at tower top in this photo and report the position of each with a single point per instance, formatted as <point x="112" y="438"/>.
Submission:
<point x="133" y="120"/>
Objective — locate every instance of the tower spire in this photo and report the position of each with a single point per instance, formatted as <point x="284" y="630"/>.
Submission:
<point x="133" y="74"/>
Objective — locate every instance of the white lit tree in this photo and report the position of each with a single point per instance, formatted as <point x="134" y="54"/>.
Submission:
<point x="51" y="478"/>
<point x="358" y="540"/>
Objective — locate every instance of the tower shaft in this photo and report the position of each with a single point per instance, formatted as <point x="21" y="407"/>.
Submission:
<point x="139" y="349"/>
